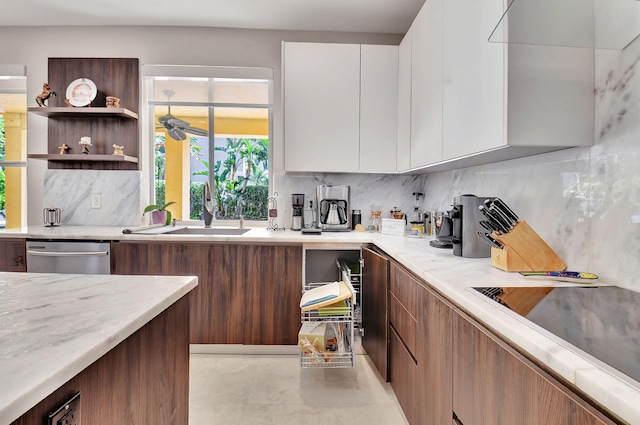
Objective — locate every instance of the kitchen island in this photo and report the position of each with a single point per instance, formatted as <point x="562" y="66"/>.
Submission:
<point x="447" y="274"/>
<point x="121" y="341"/>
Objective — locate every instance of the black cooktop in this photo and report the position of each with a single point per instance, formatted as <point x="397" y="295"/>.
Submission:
<point x="603" y="321"/>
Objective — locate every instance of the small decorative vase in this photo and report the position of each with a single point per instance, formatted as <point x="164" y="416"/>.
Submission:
<point x="158" y="217"/>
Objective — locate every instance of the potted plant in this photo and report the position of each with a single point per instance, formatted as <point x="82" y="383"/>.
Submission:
<point x="159" y="213"/>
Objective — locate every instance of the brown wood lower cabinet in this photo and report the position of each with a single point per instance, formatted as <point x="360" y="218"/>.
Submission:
<point x="494" y="384"/>
<point x="375" y="319"/>
<point x="143" y="380"/>
<point x="403" y="374"/>
<point x="435" y="339"/>
<point x="13" y="253"/>
<point x="421" y="332"/>
<point x="246" y="294"/>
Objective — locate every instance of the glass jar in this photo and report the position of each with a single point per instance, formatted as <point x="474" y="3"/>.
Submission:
<point x="375" y="221"/>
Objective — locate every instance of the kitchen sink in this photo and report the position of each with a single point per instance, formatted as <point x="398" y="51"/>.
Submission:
<point x="223" y="231"/>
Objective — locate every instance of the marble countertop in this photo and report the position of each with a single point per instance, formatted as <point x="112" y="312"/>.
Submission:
<point x="450" y="275"/>
<point x="43" y="346"/>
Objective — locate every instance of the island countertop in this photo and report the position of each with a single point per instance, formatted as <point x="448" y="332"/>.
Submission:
<point x="52" y="326"/>
<point x="452" y="276"/>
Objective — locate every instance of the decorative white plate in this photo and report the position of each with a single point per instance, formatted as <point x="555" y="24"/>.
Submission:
<point x="81" y="92"/>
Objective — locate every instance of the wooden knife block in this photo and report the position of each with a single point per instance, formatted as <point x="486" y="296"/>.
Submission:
<point x="524" y="251"/>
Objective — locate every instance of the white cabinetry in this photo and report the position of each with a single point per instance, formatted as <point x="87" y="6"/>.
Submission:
<point x="403" y="142"/>
<point x="473" y="79"/>
<point x="507" y="100"/>
<point x="486" y="102"/>
<point x="426" y="85"/>
<point x="340" y="107"/>
<point x="321" y="107"/>
<point x="378" y="108"/>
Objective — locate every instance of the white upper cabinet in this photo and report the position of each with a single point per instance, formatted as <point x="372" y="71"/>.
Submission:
<point x="403" y="156"/>
<point x="426" y="85"/>
<point x="473" y="79"/>
<point x="488" y="101"/>
<point x="378" y="108"/>
<point x="340" y="107"/>
<point x="321" y="107"/>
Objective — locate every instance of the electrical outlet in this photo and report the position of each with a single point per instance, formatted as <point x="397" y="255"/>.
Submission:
<point x="96" y="202"/>
<point x="67" y="414"/>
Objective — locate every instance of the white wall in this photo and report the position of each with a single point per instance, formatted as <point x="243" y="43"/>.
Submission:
<point x="32" y="46"/>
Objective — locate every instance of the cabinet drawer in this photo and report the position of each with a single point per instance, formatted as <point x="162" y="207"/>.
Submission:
<point x="403" y="323"/>
<point x="405" y="288"/>
<point x="487" y="374"/>
<point x="403" y="373"/>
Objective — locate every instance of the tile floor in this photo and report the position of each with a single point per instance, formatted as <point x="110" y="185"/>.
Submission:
<point x="240" y="389"/>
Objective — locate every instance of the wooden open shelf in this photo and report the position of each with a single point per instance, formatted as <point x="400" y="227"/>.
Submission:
<point x="82" y="157"/>
<point x="113" y="77"/>
<point x="91" y="112"/>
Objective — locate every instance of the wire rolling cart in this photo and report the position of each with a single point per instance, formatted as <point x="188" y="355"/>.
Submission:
<point x="342" y="318"/>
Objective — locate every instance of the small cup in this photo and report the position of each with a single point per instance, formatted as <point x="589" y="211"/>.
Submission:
<point x="113" y="102"/>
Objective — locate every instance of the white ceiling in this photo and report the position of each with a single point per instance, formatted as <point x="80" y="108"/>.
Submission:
<point x="374" y="16"/>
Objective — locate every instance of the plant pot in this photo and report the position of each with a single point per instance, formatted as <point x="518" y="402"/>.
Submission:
<point x="158" y="217"/>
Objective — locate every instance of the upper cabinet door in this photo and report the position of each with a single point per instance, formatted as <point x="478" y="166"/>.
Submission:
<point x="473" y="79"/>
<point x="426" y="85"/>
<point x="378" y="108"/>
<point x="321" y="107"/>
<point x="403" y="155"/>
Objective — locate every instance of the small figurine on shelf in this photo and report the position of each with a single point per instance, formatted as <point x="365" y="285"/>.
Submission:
<point x="85" y="141"/>
<point x="46" y="94"/>
<point x="64" y="148"/>
<point x="118" y="150"/>
<point x="113" y="102"/>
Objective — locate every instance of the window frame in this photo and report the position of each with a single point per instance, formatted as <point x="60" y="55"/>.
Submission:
<point x="152" y="72"/>
<point x="15" y="72"/>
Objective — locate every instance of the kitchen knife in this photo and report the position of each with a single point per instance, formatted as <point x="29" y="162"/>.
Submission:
<point x="489" y="239"/>
<point x="563" y="276"/>
<point x="494" y="209"/>
<point x="489" y="226"/>
<point x="502" y="206"/>
<point x="495" y="220"/>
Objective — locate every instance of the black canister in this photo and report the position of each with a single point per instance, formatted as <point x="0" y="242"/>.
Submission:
<point x="356" y="218"/>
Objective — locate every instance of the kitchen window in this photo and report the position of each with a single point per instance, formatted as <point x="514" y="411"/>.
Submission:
<point x="233" y="105"/>
<point x="13" y="146"/>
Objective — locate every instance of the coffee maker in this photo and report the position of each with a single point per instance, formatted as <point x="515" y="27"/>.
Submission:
<point x="332" y="208"/>
<point x="466" y="217"/>
<point x="297" y="211"/>
<point x="443" y="229"/>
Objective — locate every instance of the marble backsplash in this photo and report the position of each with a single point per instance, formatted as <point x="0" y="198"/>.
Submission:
<point x="71" y="190"/>
<point x="585" y="202"/>
<point x="367" y="192"/>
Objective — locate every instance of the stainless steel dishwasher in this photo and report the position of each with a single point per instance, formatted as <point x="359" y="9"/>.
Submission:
<point x="75" y="257"/>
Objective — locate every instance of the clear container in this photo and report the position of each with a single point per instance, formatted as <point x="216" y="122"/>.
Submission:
<point x="375" y="221"/>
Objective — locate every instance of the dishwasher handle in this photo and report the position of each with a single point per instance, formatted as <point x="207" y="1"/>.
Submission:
<point x="67" y="254"/>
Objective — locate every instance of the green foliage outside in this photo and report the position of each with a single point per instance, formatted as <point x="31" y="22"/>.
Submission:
<point x="250" y="190"/>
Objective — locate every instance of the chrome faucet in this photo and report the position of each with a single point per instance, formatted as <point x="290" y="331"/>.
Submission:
<point x="240" y="213"/>
<point x="207" y="205"/>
